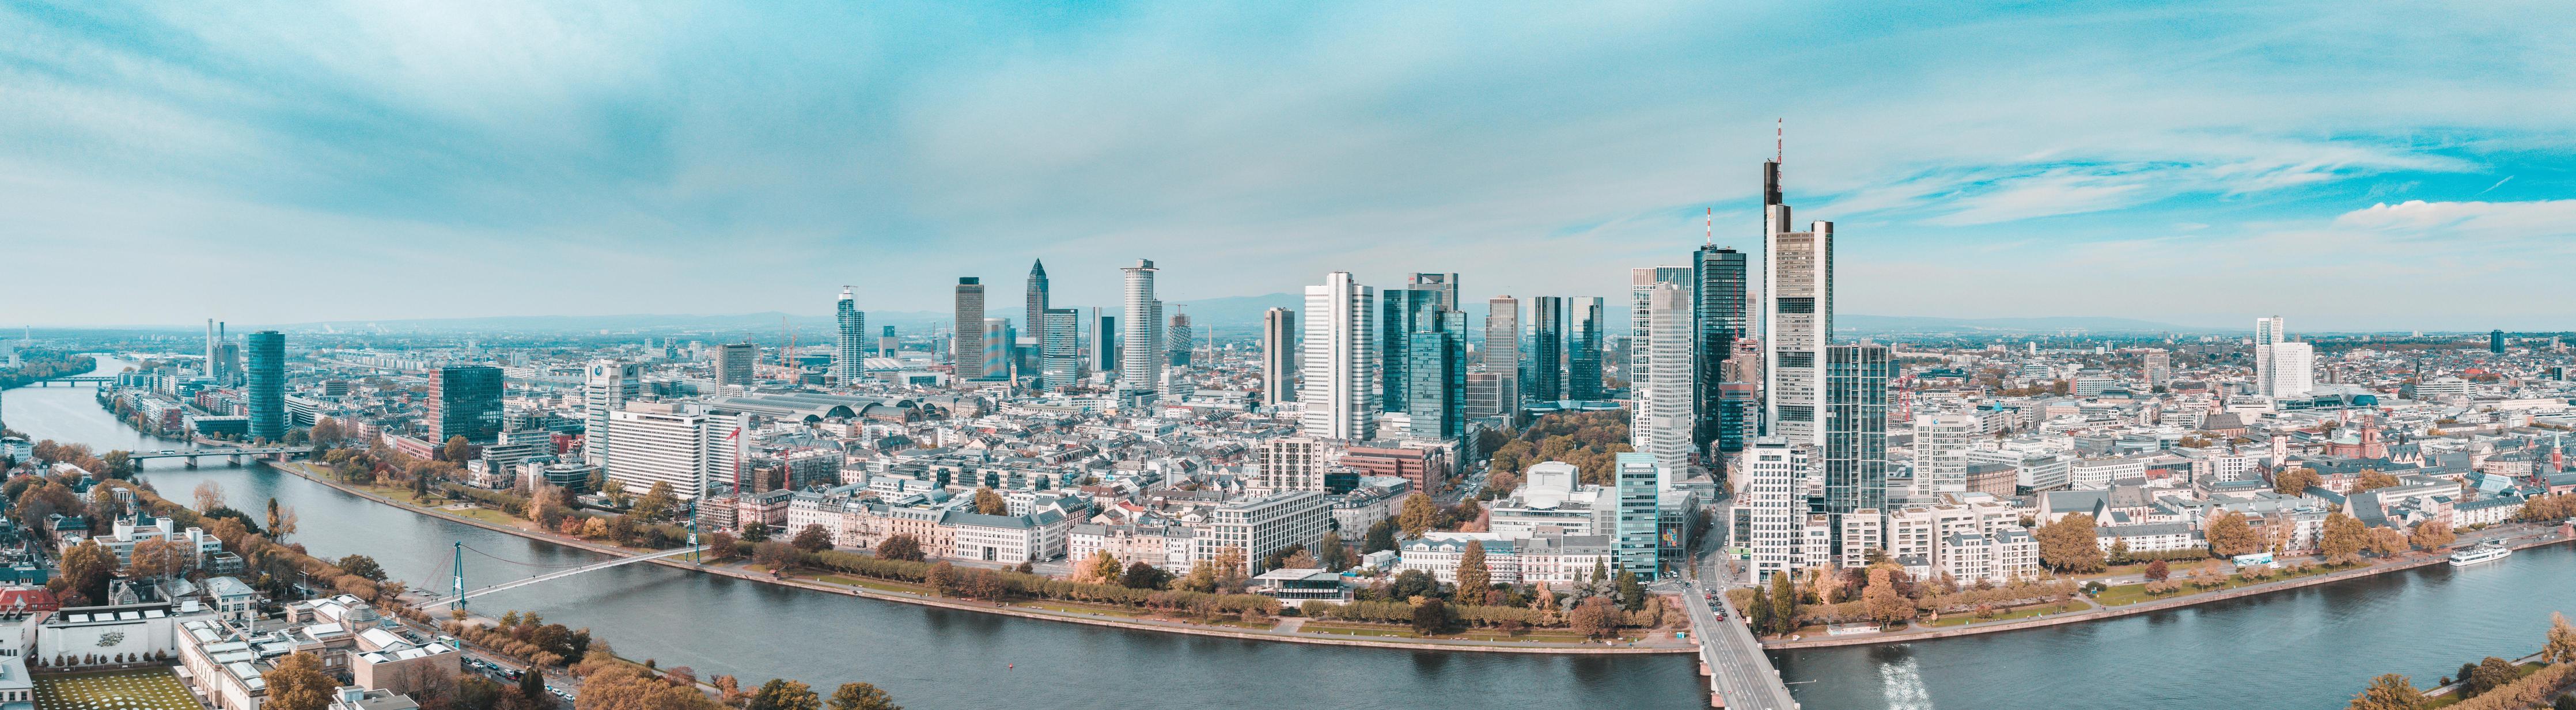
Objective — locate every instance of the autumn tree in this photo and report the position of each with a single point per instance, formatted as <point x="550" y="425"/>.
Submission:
<point x="363" y="566"/>
<point x="1140" y="575"/>
<point x="1885" y="604"/>
<point x="2230" y="535"/>
<point x="2491" y="673"/>
<point x="86" y="569"/>
<point x="1595" y="618"/>
<point x="162" y="557"/>
<point x="1632" y="592"/>
<point x="2389" y="691"/>
<point x="813" y="539"/>
<point x="457" y="450"/>
<point x="1102" y="568"/>
<point x="990" y="503"/>
<point x="2342" y="540"/>
<point x="2561" y="646"/>
<point x="1784" y="603"/>
<point x="774" y="555"/>
<point x="862" y="696"/>
<point x="209" y="495"/>
<point x="1334" y="554"/>
<point x="900" y="547"/>
<point x="2386" y="542"/>
<point x="2432" y="535"/>
<point x="2157" y="571"/>
<point x="657" y="503"/>
<point x="1474" y="579"/>
<point x="2372" y="480"/>
<point x="1418" y="515"/>
<point x="2072" y="544"/>
<point x="281" y="521"/>
<point x="297" y="683"/>
<point x="1430" y="617"/>
<point x="2294" y="481"/>
<point x="784" y="694"/>
<point x="1380" y="538"/>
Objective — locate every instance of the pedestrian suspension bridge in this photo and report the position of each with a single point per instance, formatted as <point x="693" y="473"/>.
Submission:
<point x="457" y="593"/>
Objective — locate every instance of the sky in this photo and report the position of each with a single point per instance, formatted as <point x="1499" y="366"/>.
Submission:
<point x="2348" y="165"/>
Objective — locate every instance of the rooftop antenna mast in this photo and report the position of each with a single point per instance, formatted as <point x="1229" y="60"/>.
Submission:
<point x="1712" y="226"/>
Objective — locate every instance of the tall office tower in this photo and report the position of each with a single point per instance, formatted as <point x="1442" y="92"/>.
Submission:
<point x="1941" y="444"/>
<point x="1059" y="348"/>
<point x="465" y="400"/>
<point x="209" y="367"/>
<point x="1278" y="357"/>
<point x="1435" y="387"/>
<point x="1291" y="464"/>
<point x="1739" y="415"/>
<point x="1140" y="351"/>
<point x="886" y="344"/>
<point x="1583" y="341"/>
<point x="997" y="338"/>
<point x="2293" y="369"/>
<point x="684" y="445"/>
<point x="1548" y="325"/>
<point x="266" y="385"/>
<point x="606" y="386"/>
<point x="850" y="351"/>
<point x="2159" y="369"/>
<point x="1718" y="318"/>
<point x="1633" y="542"/>
<point x="1503" y="359"/>
<point x="1853" y="458"/>
<point x="967" y="349"/>
<point x="1340" y="327"/>
<point x="1662" y="422"/>
<point x="1774" y="476"/>
<point x="733" y="364"/>
<point x="227" y="358"/>
<point x="2495" y="341"/>
<point x="1104" y="342"/>
<point x="1401" y="313"/>
<point x="1037" y="297"/>
<point x="2267" y="333"/>
<point x="1797" y="317"/>
<point x="1178" y="355"/>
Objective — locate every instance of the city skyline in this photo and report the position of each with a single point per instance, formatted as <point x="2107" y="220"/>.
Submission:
<point x="2182" y="184"/>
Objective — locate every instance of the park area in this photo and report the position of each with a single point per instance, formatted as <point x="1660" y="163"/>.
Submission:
<point x="142" y="689"/>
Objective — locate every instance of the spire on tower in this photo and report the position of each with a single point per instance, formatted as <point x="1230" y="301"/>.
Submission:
<point x="1712" y="226"/>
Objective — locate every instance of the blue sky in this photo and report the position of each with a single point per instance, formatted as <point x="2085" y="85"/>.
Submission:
<point x="2348" y="165"/>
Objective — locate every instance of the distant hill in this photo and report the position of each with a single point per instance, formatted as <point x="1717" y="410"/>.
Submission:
<point x="1868" y="325"/>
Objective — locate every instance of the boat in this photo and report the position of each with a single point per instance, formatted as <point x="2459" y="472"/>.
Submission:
<point x="2486" y="552"/>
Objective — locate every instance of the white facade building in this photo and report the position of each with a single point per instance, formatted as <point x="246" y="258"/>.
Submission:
<point x="1340" y="333"/>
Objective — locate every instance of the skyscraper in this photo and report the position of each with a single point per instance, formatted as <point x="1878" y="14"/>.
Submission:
<point x="1340" y="327"/>
<point x="209" y="368"/>
<point x="1797" y="317"/>
<point x="1662" y="424"/>
<point x="266" y="385"/>
<point x="2267" y="333"/>
<point x="1941" y="444"/>
<point x="886" y="344"/>
<point x="1401" y="313"/>
<point x="607" y="385"/>
<point x="1037" y="300"/>
<point x="850" y="351"/>
<point x="996" y="339"/>
<point x="1854" y="453"/>
<point x="1059" y="348"/>
<point x="967" y="349"/>
<point x="1548" y="321"/>
<point x="733" y="364"/>
<point x="2495" y="341"/>
<point x="1583" y="349"/>
<point x="1183" y="338"/>
<point x="1140" y="346"/>
<point x="465" y="400"/>
<point x="2293" y="369"/>
<point x="1718" y="317"/>
<point x="1104" y="341"/>
<point x="1502" y="359"/>
<point x="1278" y="357"/>
<point x="1633" y="545"/>
<point x="1435" y="387"/>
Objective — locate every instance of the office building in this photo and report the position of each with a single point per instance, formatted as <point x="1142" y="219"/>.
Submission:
<point x="2267" y="333"/>
<point x="2159" y="369"/>
<point x="2292" y="369"/>
<point x="1278" y="357"/>
<point x="1548" y="321"/>
<point x="265" y="378"/>
<point x="1340" y="327"/>
<point x="1633" y="542"/>
<point x="886" y="344"/>
<point x="683" y="445"/>
<point x="1037" y="297"/>
<point x="1485" y="395"/>
<point x="1717" y="280"/>
<point x="850" y="351"/>
<point x="1771" y="493"/>
<point x="967" y="344"/>
<point x="1503" y="359"/>
<point x="1941" y="444"/>
<point x="1641" y="288"/>
<point x="1403" y="312"/>
<point x="1182" y="340"/>
<point x="1853" y="459"/>
<point x="1662" y="422"/>
<point x="1104" y="342"/>
<point x="734" y="364"/>
<point x="1140" y="358"/>
<point x="1059" y="348"/>
<point x="1797" y="317"/>
<point x="607" y="386"/>
<point x="1435" y="386"/>
<point x="997" y="340"/>
<point x="1583" y="341"/>
<point x="2495" y="341"/>
<point x="465" y="400"/>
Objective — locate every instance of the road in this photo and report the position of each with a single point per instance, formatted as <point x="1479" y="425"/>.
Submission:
<point x="1741" y="673"/>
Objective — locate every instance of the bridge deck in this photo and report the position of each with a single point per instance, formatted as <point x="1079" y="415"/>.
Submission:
<point x="517" y="583"/>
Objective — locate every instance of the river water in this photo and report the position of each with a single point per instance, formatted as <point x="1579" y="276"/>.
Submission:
<point x="2308" y="648"/>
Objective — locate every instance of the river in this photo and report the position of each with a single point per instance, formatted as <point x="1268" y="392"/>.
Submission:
<point x="2308" y="648"/>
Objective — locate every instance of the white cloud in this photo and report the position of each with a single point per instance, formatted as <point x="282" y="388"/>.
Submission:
<point x="2470" y="220"/>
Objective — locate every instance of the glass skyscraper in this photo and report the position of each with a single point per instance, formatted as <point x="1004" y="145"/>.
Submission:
<point x="1633" y="544"/>
<point x="1547" y="349"/>
<point x="1583" y="336"/>
<point x="465" y="400"/>
<point x="266" y="370"/>
<point x="1059" y="348"/>
<point x="1854" y="456"/>
<point x="1718" y="317"/>
<point x="1435" y="391"/>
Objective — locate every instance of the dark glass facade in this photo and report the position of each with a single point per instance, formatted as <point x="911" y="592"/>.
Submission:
<point x="1546" y="350"/>
<point x="465" y="400"/>
<point x="265" y="371"/>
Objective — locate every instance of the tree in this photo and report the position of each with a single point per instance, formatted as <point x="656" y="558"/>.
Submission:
<point x="941" y="579"/>
<point x="2342" y="540"/>
<point x="2389" y="691"/>
<point x="862" y="696"/>
<point x="86" y="569"/>
<point x="363" y="566"/>
<point x="120" y="463"/>
<point x="2372" y="480"/>
<point x="1784" y="603"/>
<point x="1144" y="576"/>
<point x="2157" y="571"/>
<point x="2387" y="542"/>
<point x="297" y="683"/>
<point x="2295" y="481"/>
<point x="900" y="547"/>
<point x="2432" y="535"/>
<point x="1333" y="553"/>
<point x="210" y="495"/>
<point x="775" y="555"/>
<point x="161" y="557"/>
<point x="2561" y="647"/>
<point x="1102" y="568"/>
<point x="1229" y="570"/>
<point x="1595" y="618"/>
<point x="990" y="503"/>
<point x="2491" y="674"/>
<point x="1632" y="594"/>
<point x="1758" y="613"/>
<point x="1413" y="583"/>
<point x="1381" y="537"/>
<point x="532" y="690"/>
<point x="720" y="545"/>
<point x="456" y="450"/>
<point x="813" y="539"/>
<point x="2071" y="544"/>
<point x="1430" y="617"/>
<point x="2229" y="535"/>
<point x="1474" y="580"/>
<point x="1418" y="516"/>
<point x="784" y="694"/>
<point x="281" y="521"/>
<point x="657" y="503"/>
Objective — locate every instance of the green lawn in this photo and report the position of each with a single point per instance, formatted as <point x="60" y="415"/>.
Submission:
<point x="2127" y="594"/>
<point x="146" y="689"/>
<point x="2021" y="613"/>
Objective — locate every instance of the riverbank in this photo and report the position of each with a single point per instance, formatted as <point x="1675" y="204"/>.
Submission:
<point x="1287" y="631"/>
<point x="2545" y="536"/>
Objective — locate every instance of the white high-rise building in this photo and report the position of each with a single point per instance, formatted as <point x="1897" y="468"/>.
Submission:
<point x="1941" y="444"/>
<point x="1140" y="337"/>
<point x="1661" y="425"/>
<point x="686" y="446"/>
<point x="1797" y="321"/>
<point x="606" y="387"/>
<point x="850" y="352"/>
<point x="1771" y="490"/>
<point x="1339" y="342"/>
<point x="2267" y="333"/>
<point x="1278" y="356"/>
<point x="2293" y="369"/>
<point x="1291" y="464"/>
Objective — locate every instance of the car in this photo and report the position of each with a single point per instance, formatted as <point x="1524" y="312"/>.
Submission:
<point x="169" y="451"/>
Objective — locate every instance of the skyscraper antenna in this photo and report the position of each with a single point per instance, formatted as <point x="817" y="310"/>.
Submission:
<point x="1712" y="226"/>
<point x="1780" y="140"/>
